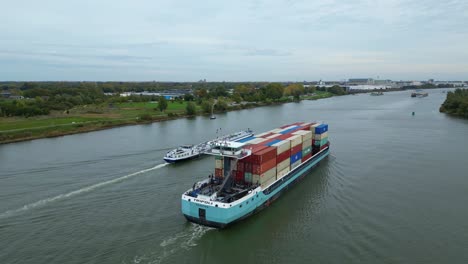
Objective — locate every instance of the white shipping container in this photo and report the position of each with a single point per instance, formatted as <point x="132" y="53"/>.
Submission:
<point x="283" y="172"/>
<point x="321" y="136"/>
<point x="261" y="178"/>
<point x="257" y="140"/>
<point x="312" y="128"/>
<point x="262" y="134"/>
<point x="276" y="130"/>
<point x="306" y="143"/>
<point x="268" y="182"/>
<point x="295" y="140"/>
<point x="273" y="136"/>
<point x="269" y="174"/>
<point x="305" y="134"/>
<point x="295" y="164"/>
<point x="283" y="164"/>
<point x="282" y="146"/>
<point x="219" y="164"/>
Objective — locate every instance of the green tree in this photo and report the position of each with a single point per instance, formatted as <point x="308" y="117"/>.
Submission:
<point x="162" y="103"/>
<point x="219" y="91"/>
<point x="202" y="93"/>
<point x="190" y="109"/>
<point x="336" y="89"/>
<point x="273" y="91"/>
<point x="236" y="97"/>
<point x="206" y="106"/>
<point x="221" y="105"/>
<point x="295" y="90"/>
<point x="188" y="97"/>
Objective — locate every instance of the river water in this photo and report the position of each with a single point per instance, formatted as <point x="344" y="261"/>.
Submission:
<point x="393" y="190"/>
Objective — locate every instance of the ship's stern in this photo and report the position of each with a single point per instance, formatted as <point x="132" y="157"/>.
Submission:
<point x="204" y="212"/>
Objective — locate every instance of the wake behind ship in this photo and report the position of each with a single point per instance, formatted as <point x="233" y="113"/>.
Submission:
<point x="250" y="174"/>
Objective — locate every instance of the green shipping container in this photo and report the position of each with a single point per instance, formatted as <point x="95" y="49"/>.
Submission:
<point x="248" y="177"/>
<point x="306" y="151"/>
<point x="321" y="142"/>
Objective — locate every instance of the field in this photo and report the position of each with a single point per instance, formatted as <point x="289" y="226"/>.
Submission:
<point x="85" y="118"/>
<point x="95" y="117"/>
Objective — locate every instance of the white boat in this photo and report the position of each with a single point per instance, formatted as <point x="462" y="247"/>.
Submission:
<point x="186" y="152"/>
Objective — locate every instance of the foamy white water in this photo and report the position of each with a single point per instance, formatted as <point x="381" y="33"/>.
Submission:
<point x="90" y="188"/>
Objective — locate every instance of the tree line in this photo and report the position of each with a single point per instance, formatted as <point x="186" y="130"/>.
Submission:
<point x="456" y="103"/>
<point x="44" y="97"/>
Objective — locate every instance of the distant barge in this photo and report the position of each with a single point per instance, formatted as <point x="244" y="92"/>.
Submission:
<point x="419" y="94"/>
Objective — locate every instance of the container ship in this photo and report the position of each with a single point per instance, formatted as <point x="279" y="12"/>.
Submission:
<point x="251" y="173"/>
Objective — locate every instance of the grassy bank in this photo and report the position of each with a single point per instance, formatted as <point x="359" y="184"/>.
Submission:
<point x="97" y="117"/>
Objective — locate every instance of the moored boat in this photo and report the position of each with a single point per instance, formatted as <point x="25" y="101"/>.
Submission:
<point x="186" y="152"/>
<point x="251" y="174"/>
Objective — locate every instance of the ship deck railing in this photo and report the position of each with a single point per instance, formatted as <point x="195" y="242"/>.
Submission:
<point x="210" y="189"/>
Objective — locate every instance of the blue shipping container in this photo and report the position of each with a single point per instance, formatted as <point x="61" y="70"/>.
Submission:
<point x="246" y="139"/>
<point x="296" y="156"/>
<point x="273" y="142"/>
<point x="321" y="129"/>
<point x="289" y="130"/>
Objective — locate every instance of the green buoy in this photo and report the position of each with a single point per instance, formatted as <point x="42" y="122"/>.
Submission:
<point x="413" y="113"/>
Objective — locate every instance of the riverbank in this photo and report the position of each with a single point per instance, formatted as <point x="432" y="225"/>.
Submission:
<point x="456" y="103"/>
<point x="93" y="118"/>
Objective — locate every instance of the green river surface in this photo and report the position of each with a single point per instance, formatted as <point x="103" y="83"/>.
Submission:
<point x="393" y="190"/>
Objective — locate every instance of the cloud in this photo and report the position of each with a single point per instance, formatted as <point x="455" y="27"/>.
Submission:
<point x="267" y="40"/>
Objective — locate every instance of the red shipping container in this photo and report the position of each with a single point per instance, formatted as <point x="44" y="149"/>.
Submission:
<point x="267" y="135"/>
<point x="219" y="172"/>
<point x="285" y="126"/>
<point x="293" y="124"/>
<point x="306" y="157"/>
<point x="284" y="136"/>
<point x="240" y="166"/>
<point x="324" y="146"/>
<point x="248" y="167"/>
<point x="296" y="149"/>
<point x="283" y="156"/>
<point x="239" y="176"/>
<point x="255" y="148"/>
<point x="264" y="155"/>
<point x="264" y="167"/>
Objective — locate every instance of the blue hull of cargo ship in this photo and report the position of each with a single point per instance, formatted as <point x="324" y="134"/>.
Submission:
<point x="221" y="217"/>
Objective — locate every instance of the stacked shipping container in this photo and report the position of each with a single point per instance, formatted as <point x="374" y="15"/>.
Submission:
<point x="275" y="153"/>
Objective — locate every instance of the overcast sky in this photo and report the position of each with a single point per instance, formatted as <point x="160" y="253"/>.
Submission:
<point x="271" y="40"/>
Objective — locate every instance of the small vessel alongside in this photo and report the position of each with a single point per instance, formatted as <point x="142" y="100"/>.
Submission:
<point x="251" y="173"/>
<point x="186" y="152"/>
